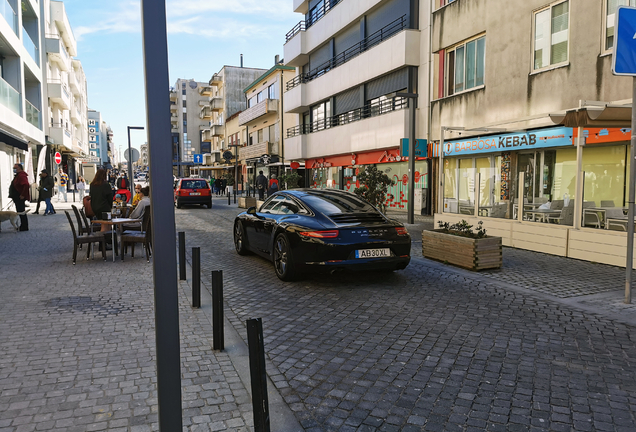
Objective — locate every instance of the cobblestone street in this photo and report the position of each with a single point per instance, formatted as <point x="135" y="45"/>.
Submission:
<point x="428" y="348"/>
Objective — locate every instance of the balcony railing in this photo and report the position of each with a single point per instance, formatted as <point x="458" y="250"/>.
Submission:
<point x="364" y="45"/>
<point x="9" y="15"/>
<point x="10" y="98"/>
<point x="33" y="115"/>
<point x="371" y="110"/>
<point x="31" y="47"/>
<point x="314" y="16"/>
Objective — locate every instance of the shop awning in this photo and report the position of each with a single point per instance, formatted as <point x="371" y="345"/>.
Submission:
<point x="13" y="141"/>
<point x="605" y="116"/>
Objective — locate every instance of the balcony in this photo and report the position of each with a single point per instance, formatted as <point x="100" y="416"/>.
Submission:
<point x="205" y="91"/>
<point x="57" y="52"/>
<point x="10" y="98"/>
<point x="399" y="51"/>
<point x="216" y="103"/>
<point x="31" y="47"/>
<point x="174" y="130"/>
<point x="262" y="108"/>
<point x="9" y="15"/>
<point x="174" y="95"/>
<point x="205" y="113"/>
<point x="76" y="88"/>
<point x="174" y="118"/>
<point x="174" y="107"/>
<point x="206" y="136"/>
<point x="321" y="26"/>
<point x="217" y="130"/>
<point x="33" y="115"/>
<point x="76" y="117"/>
<point x="58" y="15"/>
<point x="216" y="80"/>
<point x="60" y="135"/>
<point x="257" y="150"/>
<point x="301" y="6"/>
<point x="58" y="93"/>
<point x="376" y="126"/>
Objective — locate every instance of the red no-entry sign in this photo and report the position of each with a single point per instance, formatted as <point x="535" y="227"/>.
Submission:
<point x="58" y="158"/>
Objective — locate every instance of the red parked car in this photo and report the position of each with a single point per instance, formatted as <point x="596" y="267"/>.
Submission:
<point x="192" y="191"/>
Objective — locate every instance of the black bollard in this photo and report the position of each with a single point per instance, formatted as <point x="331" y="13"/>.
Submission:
<point x="182" y="259"/>
<point x="258" y="375"/>
<point x="234" y="196"/>
<point x="196" y="277"/>
<point x="228" y="198"/>
<point x="218" y="336"/>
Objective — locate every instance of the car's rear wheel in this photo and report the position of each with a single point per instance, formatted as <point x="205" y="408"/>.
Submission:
<point x="178" y="204"/>
<point x="239" y="239"/>
<point x="283" y="263"/>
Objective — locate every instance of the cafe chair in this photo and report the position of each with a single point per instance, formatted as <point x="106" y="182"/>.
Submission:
<point x="608" y="203"/>
<point x="88" y="239"/>
<point x="87" y="223"/>
<point x="133" y="237"/>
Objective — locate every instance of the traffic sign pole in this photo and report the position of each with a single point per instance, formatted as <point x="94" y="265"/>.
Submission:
<point x="632" y="194"/>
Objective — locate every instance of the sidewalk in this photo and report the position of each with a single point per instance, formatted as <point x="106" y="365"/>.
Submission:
<point x="78" y="343"/>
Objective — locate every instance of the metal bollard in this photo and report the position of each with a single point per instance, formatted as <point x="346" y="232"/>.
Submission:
<point x="234" y="196"/>
<point x="196" y="277"/>
<point x="182" y="259"/>
<point x="218" y="335"/>
<point x="260" y="403"/>
<point x="228" y="198"/>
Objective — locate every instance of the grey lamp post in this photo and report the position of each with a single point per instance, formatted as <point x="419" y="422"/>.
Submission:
<point x="130" y="174"/>
<point x="412" y="114"/>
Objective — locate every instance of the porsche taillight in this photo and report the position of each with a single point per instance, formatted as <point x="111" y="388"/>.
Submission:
<point x="401" y="231"/>
<point x="320" y="234"/>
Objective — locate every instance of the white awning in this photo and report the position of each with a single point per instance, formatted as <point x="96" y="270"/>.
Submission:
<point x="605" y="115"/>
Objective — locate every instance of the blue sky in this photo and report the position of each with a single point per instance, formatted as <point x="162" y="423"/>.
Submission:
<point x="203" y="35"/>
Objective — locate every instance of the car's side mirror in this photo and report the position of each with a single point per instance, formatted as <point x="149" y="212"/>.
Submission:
<point x="251" y="211"/>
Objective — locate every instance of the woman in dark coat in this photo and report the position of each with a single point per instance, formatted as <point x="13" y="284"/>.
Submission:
<point x="101" y="195"/>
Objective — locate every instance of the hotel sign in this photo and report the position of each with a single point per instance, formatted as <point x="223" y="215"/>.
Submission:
<point x="540" y="138"/>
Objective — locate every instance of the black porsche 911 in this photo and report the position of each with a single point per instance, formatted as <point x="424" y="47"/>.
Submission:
<point x="304" y="229"/>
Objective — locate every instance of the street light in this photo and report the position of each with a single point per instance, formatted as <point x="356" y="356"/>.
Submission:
<point x="130" y="174"/>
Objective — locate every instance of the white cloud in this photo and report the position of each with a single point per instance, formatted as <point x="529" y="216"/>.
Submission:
<point x="125" y="18"/>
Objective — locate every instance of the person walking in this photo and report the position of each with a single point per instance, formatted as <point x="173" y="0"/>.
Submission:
<point x="46" y="192"/>
<point x="19" y="193"/>
<point x="261" y="185"/>
<point x="273" y="185"/>
<point x="101" y="195"/>
<point x="81" y="187"/>
<point x="62" y="183"/>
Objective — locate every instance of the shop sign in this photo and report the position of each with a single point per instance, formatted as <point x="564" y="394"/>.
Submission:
<point x="540" y="138"/>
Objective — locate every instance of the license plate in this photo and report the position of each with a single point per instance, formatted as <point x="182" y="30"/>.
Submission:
<point x="195" y="193"/>
<point x="373" y="253"/>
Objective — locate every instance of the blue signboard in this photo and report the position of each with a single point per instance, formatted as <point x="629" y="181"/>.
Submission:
<point x="540" y="138"/>
<point x="198" y="158"/>
<point x="421" y="148"/>
<point x="624" y="59"/>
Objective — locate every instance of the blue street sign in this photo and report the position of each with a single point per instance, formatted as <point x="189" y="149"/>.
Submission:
<point x="421" y="148"/>
<point x="624" y="59"/>
<point x="198" y="158"/>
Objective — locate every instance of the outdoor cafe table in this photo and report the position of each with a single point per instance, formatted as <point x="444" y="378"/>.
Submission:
<point x="116" y="224"/>
<point x="543" y="213"/>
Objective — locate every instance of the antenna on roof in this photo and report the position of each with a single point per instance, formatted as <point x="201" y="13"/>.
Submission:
<point x="241" y="60"/>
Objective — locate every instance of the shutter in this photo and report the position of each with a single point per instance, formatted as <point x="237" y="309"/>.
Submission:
<point x="386" y="14"/>
<point x="398" y="80"/>
<point x="347" y="101"/>
<point x="319" y="57"/>
<point x="347" y="38"/>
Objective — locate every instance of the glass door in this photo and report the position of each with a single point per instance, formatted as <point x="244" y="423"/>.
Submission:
<point x="527" y="164"/>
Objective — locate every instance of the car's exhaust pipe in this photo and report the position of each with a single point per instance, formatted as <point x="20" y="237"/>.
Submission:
<point x="336" y="270"/>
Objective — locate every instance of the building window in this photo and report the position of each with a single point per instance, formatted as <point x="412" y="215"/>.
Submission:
<point x="183" y="92"/>
<point x="466" y="66"/>
<point x="260" y="136"/>
<point x="260" y="97"/>
<point x="251" y="102"/>
<point x="610" y="14"/>
<point x="551" y="35"/>
<point x="320" y="115"/>
<point x="272" y="90"/>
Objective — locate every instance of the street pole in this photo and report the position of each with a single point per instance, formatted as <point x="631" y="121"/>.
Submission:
<point x="155" y="57"/>
<point x="632" y="195"/>
<point x="130" y="174"/>
<point x="412" y="98"/>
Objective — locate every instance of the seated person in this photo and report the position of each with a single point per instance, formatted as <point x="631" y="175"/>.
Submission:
<point x="144" y="202"/>
<point x="137" y="196"/>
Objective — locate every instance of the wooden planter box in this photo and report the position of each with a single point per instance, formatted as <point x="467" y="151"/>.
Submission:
<point x="246" y="202"/>
<point x="473" y="254"/>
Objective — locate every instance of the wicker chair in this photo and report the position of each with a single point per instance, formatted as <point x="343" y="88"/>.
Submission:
<point x="88" y="239"/>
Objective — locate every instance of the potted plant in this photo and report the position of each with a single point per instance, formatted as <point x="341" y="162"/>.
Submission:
<point x="374" y="186"/>
<point x="460" y="245"/>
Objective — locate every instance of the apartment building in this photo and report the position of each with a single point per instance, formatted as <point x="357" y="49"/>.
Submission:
<point x="530" y="119"/>
<point x="21" y="90"/>
<point x="186" y="102"/>
<point x="264" y="121"/>
<point x="353" y="60"/>
<point x="225" y="99"/>
<point x="66" y="123"/>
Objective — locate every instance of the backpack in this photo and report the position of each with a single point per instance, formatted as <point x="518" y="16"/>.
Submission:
<point x="274" y="186"/>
